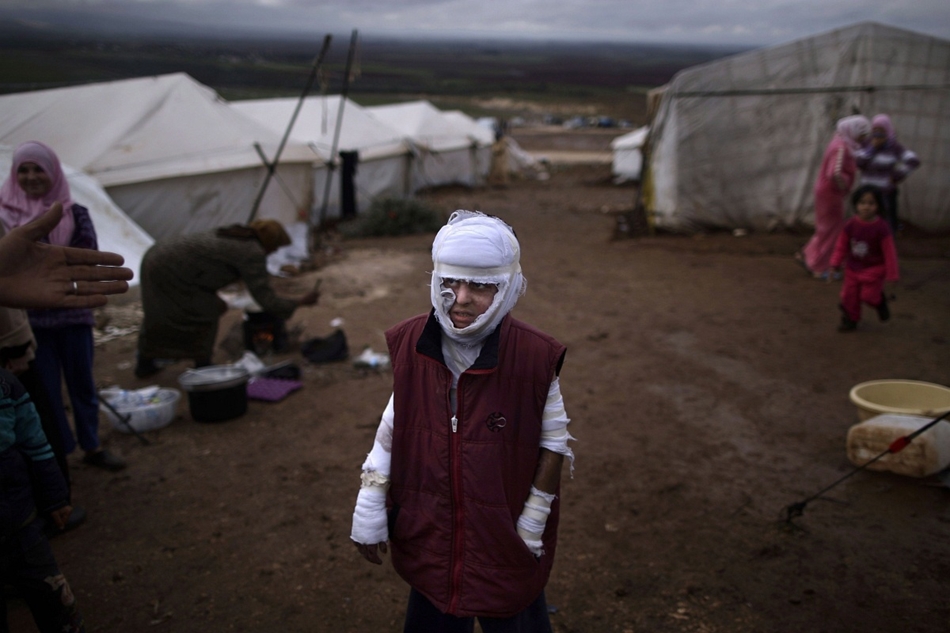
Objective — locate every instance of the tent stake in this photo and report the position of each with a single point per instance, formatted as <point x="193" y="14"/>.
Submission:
<point x="124" y="419"/>
<point x="271" y="166"/>
<point x="796" y="510"/>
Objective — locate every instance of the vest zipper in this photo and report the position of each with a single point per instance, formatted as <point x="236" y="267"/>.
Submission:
<point x="458" y="514"/>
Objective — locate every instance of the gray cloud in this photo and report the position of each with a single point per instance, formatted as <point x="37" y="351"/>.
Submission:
<point x="735" y="22"/>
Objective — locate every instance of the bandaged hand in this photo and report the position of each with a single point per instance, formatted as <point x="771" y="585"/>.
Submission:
<point x="369" y="518"/>
<point x="533" y="518"/>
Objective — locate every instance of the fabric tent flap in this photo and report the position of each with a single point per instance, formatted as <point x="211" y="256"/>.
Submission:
<point x="737" y="142"/>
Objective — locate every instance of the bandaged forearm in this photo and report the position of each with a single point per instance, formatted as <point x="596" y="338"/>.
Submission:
<point x="369" y="518"/>
<point x="380" y="458"/>
<point x="533" y="518"/>
<point x="554" y="421"/>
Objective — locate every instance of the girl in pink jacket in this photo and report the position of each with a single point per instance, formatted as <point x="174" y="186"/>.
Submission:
<point x="866" y="246"/>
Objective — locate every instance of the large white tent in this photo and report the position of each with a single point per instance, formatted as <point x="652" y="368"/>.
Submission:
<point x="170" y="152"/>
<point x="737" y="142"/>
<point x="447" y="148"/>
<point x="482" y="136"/>
<point x="384" y="154"/>
<point x="115" y="231"/>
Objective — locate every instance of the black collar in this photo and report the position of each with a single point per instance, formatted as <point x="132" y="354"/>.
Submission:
<point x="430" y="344"/>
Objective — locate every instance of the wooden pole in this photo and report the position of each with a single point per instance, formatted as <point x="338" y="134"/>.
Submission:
<point x="271" y="166"/>
<point x="339" y="124"/>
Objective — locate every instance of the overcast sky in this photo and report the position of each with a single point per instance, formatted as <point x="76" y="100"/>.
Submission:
<point x="728" y="22"/>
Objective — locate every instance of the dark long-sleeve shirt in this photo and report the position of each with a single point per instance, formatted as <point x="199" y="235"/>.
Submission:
<point x="886" y="166"/>
<point x="28" y="469"/>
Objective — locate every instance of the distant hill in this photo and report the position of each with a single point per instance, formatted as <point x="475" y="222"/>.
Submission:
<point x="44" y="52"/>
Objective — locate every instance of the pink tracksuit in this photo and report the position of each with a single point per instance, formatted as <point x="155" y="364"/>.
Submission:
<point x="830" y="203"/>
<point x="871" y="259"/>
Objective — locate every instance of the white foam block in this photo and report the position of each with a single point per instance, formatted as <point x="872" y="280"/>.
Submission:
<point x="927" y="454"/>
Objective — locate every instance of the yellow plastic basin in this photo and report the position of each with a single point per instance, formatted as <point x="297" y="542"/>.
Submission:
<point x="909" y="397"/>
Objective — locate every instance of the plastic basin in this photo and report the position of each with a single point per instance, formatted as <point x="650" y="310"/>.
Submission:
<point x="143" y="414"/>
<point x="908" y="397"/>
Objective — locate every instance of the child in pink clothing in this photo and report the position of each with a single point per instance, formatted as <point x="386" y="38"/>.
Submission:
<point x="867" y="246"/>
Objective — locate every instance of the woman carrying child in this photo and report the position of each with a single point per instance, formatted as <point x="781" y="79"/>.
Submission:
<point x="835" y="178"/>
<point x="866" y="246"/>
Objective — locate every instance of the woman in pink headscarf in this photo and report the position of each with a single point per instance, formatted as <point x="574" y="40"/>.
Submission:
<point x="36" y="181"/>
<point x="63" y="335"/>
<point x="835" y="178"/>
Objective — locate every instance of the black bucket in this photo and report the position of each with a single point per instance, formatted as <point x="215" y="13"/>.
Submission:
<point x="216" y="393"/>
<point x="218" y="405"/>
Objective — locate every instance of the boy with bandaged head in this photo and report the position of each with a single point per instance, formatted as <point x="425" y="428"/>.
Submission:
<point x="465" y="470"/>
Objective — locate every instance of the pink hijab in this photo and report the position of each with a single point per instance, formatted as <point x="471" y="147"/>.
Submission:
<point x="884" y="122"/>
<point x="17" y="209"/>
<point x="852" y="128"/>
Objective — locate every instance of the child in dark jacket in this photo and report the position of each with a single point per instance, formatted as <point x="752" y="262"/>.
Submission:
<point x="867" y="246"/>
<point x="32" y="485"/>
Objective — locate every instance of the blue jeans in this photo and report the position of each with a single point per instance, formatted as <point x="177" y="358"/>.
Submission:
<point x="66" y="352"/>
<point x="422" y="617"/>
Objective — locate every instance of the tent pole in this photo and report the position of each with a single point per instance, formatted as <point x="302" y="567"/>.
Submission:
<point x="646" y="167"/>
<point x="271" y="166"/>
<point x="339" y="124"/>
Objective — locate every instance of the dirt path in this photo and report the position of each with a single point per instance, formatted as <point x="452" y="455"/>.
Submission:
<point x="708" y="389"/>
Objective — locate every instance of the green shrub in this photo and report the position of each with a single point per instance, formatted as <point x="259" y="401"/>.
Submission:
<point x="393" y="216"/>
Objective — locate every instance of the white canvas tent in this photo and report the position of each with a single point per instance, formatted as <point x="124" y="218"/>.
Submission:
<point x="115" y="231"/>
<point x="737" y="142"/>
<point x="384" y="154"/>
<point x="447" y="149"/>
<point x="482" y="137"/>
<point x="169" y="151"/>
<point x="628" y="155"/>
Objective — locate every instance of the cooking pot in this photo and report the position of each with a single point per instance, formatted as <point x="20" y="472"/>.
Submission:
<point x="216" y="393"/>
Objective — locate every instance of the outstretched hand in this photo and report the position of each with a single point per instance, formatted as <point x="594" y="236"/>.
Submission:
<point x="371" y="552"/>
<point x="309" y="299"/>
<point x="312" y="297"/>
<point x="38" y="275"/>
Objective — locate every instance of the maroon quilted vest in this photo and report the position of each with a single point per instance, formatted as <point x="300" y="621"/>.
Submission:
<point x="456" y="494"/>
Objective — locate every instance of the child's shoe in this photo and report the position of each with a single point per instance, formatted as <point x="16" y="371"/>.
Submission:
<point x="883" y="310"/>
<point x="104" y="459"/>
<point x="847" y="325"/>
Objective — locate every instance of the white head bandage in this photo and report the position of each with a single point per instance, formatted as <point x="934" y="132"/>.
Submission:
<point x="478" y="248"/>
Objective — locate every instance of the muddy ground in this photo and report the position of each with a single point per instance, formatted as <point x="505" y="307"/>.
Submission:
<point x="708" y="390"/>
